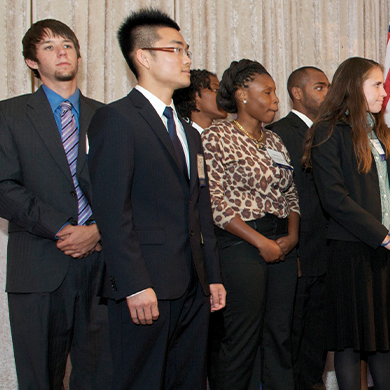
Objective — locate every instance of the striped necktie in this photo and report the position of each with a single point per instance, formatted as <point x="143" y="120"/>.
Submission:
<point x="70" y="141"/>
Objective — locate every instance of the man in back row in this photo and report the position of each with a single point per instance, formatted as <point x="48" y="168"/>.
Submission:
<point x="53" y="259"/>
<point x="152" y="204"/>
<point x="307" y="87"/>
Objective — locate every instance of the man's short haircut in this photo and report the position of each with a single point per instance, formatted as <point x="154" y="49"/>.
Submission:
<point x="46" y="28"/>
<point x="298" y="78"/>
<point x="185" y="98"/>
<point x="139" y="30"/>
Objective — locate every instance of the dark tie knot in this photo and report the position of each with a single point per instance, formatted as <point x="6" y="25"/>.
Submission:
<point x="168" y="112"/>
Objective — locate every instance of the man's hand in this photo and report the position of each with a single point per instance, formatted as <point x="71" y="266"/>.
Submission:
<point x="143" y="307"/>
<point x="79" y="241"/>
<point x="217" y="296"/>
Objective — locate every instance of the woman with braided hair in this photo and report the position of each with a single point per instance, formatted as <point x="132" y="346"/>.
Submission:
<point x="256" y="213"/>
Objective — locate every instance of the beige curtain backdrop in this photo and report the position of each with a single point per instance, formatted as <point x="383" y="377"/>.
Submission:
<point x="281" y="34"/>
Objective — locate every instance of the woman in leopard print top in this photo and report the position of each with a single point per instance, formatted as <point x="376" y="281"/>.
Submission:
<point x="256" y="213"/>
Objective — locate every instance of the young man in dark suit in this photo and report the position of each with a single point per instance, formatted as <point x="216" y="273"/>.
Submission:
<point x="152" y="205"/>
<point x="53" y="262"/>
<point x="307" y="87"/>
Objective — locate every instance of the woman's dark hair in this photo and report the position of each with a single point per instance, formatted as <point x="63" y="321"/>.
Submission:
<point x="346" y="102"/>
<point x="184" y="98"/>
<point x="238" y="75"/>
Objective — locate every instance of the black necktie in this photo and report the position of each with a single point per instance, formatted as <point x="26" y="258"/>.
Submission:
<point x="168" y="113"/>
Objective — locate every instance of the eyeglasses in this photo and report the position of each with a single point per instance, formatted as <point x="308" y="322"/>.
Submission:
<point x="177" y="50"/>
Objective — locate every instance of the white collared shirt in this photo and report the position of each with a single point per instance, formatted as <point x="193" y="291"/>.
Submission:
<point x="306" y="119"/>
<point x="197" y="127"/>
<point x="159" y="106"/>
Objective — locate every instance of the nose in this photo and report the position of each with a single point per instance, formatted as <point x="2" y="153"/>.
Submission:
<point x="383" y="91"/>
<point x="61" y="51"/>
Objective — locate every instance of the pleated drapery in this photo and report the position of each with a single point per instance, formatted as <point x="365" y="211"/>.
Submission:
<point x="282" y="34"/>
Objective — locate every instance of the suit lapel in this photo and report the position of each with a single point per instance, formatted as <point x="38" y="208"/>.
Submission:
<point x="86" y="114"/>
<point x="42" y="118"/>
<point x="300" y="125"/>
<point x="193" y="154"/>
<point x="152" y="118"/>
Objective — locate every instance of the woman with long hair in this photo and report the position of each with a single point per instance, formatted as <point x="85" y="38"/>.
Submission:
<point x="348" y="149"/>
<point x="256" y="213"/>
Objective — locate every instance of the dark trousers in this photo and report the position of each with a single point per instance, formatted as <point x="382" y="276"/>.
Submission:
<point x="236" y="331"/>
<point x="46" y="327"/>
<point x="277" y="370"/>
<point x="309" y="355"/>
<point x="170" y="353"/>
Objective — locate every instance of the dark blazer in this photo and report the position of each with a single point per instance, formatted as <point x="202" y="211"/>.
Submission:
<point x="37" y="194"/>
<point x="150" y="217"/>
<point x="313" y="251"/>
<point x="352" y="199"/>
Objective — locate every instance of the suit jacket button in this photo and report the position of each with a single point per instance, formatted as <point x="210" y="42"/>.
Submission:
<point x="191" y="233"/>
<point x="73" y="193"/>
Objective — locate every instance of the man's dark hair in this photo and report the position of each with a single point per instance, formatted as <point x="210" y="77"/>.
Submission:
<point x="44" y="28"/>
<point x="140" y="30"/>
<point x="298" y="78"/>
<point x="184" y="98"/>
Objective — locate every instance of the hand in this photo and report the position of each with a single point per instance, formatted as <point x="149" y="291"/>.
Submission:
<point x="287" y="243"/>
<point x="271" y="251"/>
<point x="78" y="241"/>
<point x="143" y="307"/>
<point x="217" y="296"/>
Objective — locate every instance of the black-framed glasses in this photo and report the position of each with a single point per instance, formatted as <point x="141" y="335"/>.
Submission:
<point x="177" y="50"/>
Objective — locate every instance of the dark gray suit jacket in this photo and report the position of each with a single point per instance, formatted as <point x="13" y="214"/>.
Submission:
<point x="313" y="251"/>
<point x="151" y="219"/>
<point x="37" y="194"/>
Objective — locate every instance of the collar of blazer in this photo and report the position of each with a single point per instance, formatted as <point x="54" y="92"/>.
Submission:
<point x="40" y="114"/>
<point x="154" y="121"/>
<point x="297" y="122"/>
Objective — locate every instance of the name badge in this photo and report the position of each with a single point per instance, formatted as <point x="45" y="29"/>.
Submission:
<point x="201" y="171"/>
<point x="279" y="159"/>
<point x="377" y="145"/>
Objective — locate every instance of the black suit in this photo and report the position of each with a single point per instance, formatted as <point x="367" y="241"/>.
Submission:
<point x="152" y="222"/>
<point x="308" y="355"/>
<point x="37" y="196"/>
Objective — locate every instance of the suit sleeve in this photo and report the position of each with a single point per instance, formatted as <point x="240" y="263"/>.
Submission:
<point x="111" y="165"/>
<point x="335" y="196"/>
<point x="209" y="239"/>
<point x="17" y="204"/>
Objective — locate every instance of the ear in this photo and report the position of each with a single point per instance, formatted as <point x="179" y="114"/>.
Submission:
<point x="297" y="93"/>
<point x="143" y="58"/>
<point x="197" y="97"/>
<point x="241" y="95"/>
<point x="31" y="64"/>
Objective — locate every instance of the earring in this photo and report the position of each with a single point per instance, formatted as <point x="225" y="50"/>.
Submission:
<point x="244" y="101"/>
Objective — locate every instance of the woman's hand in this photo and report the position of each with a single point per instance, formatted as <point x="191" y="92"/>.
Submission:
<point x="270" y="251"/>
<point x="287" y="243"/>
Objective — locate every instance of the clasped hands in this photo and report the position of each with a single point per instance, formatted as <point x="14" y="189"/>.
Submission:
<point x="277" y="250"/>
<point x="79" y="241"/>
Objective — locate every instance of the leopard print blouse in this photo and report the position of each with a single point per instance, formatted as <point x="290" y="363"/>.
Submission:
<point x="244" y="180"/>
